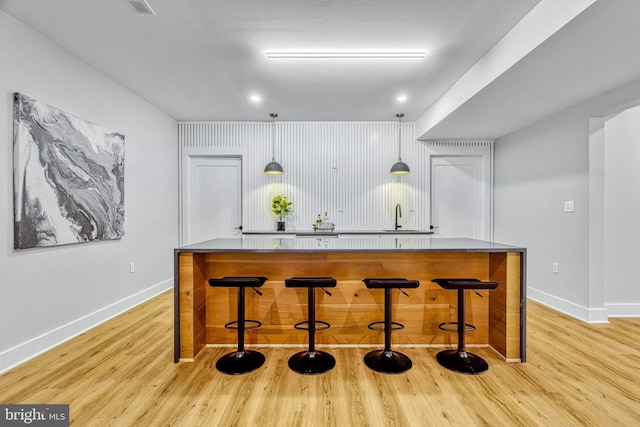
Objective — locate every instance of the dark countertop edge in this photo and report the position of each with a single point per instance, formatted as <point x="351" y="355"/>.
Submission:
<point x="334" y="232"/>
<point x="322" y="250"/>
<point x="403" y="244"/>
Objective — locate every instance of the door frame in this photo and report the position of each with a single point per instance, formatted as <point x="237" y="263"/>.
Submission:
<point x="482" y="149"/>
<point x="187" y="154"/>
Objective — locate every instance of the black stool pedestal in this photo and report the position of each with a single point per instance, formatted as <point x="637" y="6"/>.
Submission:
<point x="240" y="361"/>
<point x="311" y="361"/>
<point x="460" y="360"/>
<point x="388" y="361"/>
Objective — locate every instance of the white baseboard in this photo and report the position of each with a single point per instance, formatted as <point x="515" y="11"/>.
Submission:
<point x="19" y="354"/>
<point x="590" y="315"/>
<point x="623" y="310"/>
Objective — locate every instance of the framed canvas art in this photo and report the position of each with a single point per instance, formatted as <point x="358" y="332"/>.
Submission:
<point x="68" y="177"/>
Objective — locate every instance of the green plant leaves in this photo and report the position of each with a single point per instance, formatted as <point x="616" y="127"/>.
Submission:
<point x="280" y="205"/>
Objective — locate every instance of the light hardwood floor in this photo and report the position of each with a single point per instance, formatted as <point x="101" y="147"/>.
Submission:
<point x="121" y="374"/>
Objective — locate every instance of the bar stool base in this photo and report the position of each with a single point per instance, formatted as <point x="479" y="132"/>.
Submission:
<point x="240" y="362"/>
<point x="387" y="362"/>
<point x="311" y="362"/>
<point x="462" y="362"/>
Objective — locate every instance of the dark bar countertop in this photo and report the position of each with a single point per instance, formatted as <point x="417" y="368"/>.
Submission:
<point x="336" y="232"/>
<point x="383" y="244"/>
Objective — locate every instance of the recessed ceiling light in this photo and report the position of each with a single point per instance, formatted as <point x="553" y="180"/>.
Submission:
<point x="255" y="98"/>
<point x="402" y="98"/>
<point x="345" y="54"/>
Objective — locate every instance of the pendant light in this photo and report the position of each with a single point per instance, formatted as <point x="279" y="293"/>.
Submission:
<point x="400" y="167"/>
<point x="273" y="167"/>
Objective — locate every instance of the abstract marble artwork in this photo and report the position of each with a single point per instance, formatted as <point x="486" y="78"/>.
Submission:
<point x="68" y="177"/>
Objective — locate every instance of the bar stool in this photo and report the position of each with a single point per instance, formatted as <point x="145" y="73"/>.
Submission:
<point x="460" y="360"/>
<point x="312" y="361"/>
<point x="240" y="361"/>
<point x="388" y="361"/>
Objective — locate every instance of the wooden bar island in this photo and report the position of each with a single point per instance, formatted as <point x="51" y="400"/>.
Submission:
<point x="201" y="311"/>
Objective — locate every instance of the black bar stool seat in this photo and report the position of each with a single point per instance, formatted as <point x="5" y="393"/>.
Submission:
<point x="311" y="361"/>
<point x="240" y="361"/>
<point x="388" y="361"/>
<point x="460" y="360"/>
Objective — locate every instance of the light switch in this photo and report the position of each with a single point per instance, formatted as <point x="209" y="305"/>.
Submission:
<point x="569" y="206"/>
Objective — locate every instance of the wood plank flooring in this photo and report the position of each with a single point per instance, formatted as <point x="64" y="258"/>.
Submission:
<point x="121" y="374"/>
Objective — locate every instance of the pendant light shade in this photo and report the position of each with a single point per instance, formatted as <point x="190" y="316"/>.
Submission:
<point x="400" y="167"/>
<point x="273" y="167"/>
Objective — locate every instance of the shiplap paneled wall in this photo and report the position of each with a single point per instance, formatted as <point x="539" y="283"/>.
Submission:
<point x="341" y="168"/>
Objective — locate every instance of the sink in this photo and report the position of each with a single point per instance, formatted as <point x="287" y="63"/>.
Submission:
<point x="403" y="230"/>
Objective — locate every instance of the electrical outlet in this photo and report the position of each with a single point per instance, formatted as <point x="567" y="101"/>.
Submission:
<point x="556" y="268"/>
<point x="569" y="206"/>
<point x="132" y="267"/>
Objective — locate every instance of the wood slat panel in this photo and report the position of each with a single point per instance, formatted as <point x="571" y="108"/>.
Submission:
<point x="513" y="306"/>
<point x="350" y="266"/>
<point x="504" y="306"/>
<point x="352" y="306"/>
<point x="185" y="262"/>
<point x="192" y="304"/>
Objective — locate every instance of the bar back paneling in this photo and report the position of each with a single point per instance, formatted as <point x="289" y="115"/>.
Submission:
<point x="341" y="168"/>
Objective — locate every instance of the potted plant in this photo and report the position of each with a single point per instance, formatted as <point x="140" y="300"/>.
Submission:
<point x="280" y="206"/>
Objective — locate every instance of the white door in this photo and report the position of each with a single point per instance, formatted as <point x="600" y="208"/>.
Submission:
<point x="460" y="198"/>
<point x="212" y="198"/>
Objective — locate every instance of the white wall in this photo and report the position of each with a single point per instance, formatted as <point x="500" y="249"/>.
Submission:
<point x="50" y="294"/>
<point x="536" y="171"/>
<point x="622" y="212"/>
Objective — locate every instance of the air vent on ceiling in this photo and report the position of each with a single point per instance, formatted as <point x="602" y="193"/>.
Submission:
<point x="142" y="7"/>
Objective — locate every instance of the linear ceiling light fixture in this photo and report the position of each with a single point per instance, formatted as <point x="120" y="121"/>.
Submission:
<point x="273" y="167"/>
<point x="345" y="54"/>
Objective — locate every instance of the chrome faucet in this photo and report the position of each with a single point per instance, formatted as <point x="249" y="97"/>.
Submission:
<point x="398" y="215"/>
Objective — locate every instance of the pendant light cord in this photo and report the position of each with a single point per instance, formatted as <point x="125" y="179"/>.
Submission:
<point x="273" y="136"/>
<point x="399" y="116"/>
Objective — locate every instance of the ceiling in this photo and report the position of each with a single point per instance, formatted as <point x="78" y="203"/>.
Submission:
<point x="597" y="51"/>
<point x="202" y="60"/>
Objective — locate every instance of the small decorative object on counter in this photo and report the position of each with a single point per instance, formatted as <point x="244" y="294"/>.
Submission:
<point x="281" y="207"/>
<point x="323" y="225"/>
